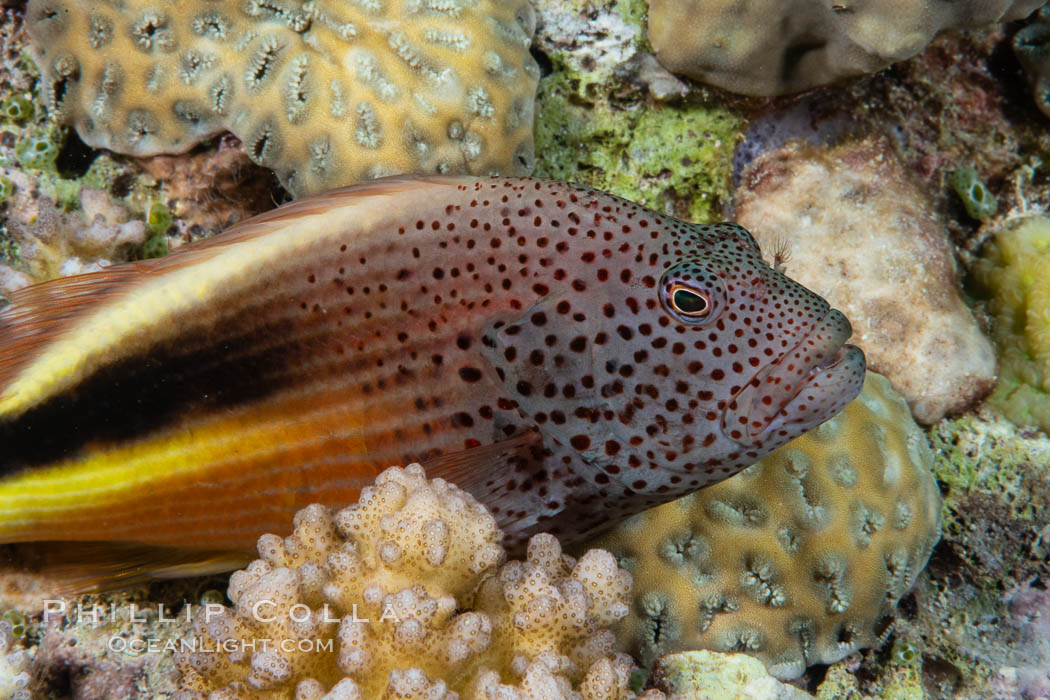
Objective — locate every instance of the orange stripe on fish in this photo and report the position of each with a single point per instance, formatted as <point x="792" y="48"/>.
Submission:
<point x="567" y="356"/>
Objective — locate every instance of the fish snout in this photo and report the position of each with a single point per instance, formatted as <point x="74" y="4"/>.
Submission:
<point x="805" y="386"/>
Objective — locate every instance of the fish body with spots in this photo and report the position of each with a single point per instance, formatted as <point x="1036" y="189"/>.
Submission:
<point x="566" y="356"/>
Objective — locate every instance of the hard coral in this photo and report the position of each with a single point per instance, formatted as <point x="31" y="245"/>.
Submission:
<point x="773" y="47"/>
<point x="376" y="601"/>
<point x="1016" y="271"/>
<point x="1032" y="47"/>
<point x="326" y="93"/>
<point x="799" y="559"/>
<point x="864" y="236"/>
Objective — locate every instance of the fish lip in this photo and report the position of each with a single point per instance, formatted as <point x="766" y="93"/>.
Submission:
<point x="822" y="354"/>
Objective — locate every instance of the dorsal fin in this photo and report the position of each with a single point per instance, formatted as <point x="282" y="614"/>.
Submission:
<point x="41" y="313"/>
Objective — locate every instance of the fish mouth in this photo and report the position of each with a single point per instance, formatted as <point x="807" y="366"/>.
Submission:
<point x="804" y="387"/>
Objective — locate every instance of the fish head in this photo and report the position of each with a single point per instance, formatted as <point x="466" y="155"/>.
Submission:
<point x="695" y="361"/>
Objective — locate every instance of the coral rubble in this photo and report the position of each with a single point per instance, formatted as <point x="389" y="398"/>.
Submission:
<point x="14" y="676"/>
<point x="862" y="233"/>
<point x="799" y="559"/>
<point x="52" y="242"/>
<point x="325" y="93"/>
<point x="403" y="595"/>
<point x="969" y="614"/>
<point x="773" y="47"/>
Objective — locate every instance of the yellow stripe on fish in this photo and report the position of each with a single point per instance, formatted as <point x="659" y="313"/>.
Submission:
<point x="565" y="355"/>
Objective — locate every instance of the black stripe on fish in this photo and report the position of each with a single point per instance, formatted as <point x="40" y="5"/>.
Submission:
<point x="138" y="395"/>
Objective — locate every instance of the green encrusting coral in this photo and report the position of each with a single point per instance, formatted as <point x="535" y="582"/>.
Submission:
<point x="1016" y="272"/>
<point x="675" y="157"/>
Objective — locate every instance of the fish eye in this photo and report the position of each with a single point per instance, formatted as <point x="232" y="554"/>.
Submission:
<point x="689" y="302"/>
<point x="692" y="293"/>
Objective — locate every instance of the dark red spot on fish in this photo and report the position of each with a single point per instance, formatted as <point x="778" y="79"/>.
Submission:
<point x="469" y="374"/>
<point x="462" y="420"/>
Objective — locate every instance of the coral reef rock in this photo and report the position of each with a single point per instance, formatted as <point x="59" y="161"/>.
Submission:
<point x="1032" y="47"/>
<point x="402" y="596"/>
<point x="52" y="242"/>
<point x="862" y="235"/>
<point x="1016" y="271"/>
<point x="595" y="127"/>
<point x="325" y="93"/>
<point x="709" y="674"/>
<point x="799" y="559"/>
<point x="14" y="662"/>
<point x="978" y="615"/>
<point x="771" y="47"/>
<point x="211" y="190"/>
<point x="1029" y="608"/>
<point x="105" y="648"/>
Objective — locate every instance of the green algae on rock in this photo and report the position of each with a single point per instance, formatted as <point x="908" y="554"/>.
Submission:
<point x="1015" y="270"/>
<point x="16" y="108"/>
<point x="14" y="664"/>
<point x="799" y="559"/>
<point x="595" y="128"/>
<point x="7" y="188"/>
<point x="325" y="93"/>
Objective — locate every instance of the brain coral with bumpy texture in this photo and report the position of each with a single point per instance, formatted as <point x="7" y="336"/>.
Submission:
<point x="326" y="93"/>
<point x="799" y="559"/>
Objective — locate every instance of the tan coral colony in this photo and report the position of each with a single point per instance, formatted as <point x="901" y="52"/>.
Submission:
<point x="326" y="93"/>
